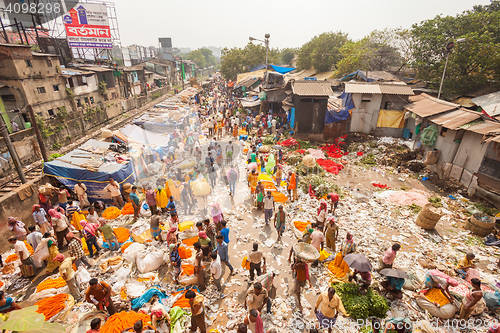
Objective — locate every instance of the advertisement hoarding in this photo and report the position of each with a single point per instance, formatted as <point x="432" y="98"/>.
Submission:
<point x="87" y="26"/>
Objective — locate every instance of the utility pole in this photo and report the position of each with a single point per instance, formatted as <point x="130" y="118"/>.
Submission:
<point x="37" y="132"/>
<point x="182" y="73"/>
<point x="12" y="151"/>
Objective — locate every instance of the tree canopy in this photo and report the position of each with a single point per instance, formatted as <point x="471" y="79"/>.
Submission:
<point x="202" y="57"/>
<point x="473" y="63"/>
<point x="322" y="52"/>
<point x="373" y="52"/>
<point x="239" y="60"/>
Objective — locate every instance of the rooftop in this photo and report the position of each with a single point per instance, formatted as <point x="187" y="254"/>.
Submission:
<point x="398" y="88"/>
<point x="312" y="88"/>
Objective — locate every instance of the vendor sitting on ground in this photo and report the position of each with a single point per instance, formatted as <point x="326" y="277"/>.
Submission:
<point x="465" y="264"/>
<point x="364" y="280"/>
<point x="437" y="279"/>
<point x="393" y="286"/>
<point x="7" y="304"/>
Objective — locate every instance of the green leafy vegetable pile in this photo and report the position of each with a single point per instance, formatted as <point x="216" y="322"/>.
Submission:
<point x="360" y="306"/>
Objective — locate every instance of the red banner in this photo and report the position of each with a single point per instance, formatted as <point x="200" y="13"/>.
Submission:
<point x="98" y="31"/>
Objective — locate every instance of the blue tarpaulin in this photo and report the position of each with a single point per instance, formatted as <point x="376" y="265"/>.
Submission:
<point x="137" y="303"/>
<point x="291" y="117"/>
<point x="334" y="116"/>
<point x="282" y="70"/>
<point x="69" y="173"/>
<point x="360" y="74"/>
<point x="258" y="68"/>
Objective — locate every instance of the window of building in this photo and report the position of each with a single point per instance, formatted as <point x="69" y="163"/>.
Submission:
<point x="78" y="103"/>
<point x="56" y="87"/>
<point x="9" y="98"/>
<point x="387" y="105"/>
<point x="25" y="117"/>
<point x="70" y="82"/>
<point x="51" y="112"/>
<point x="366" y="98"/>
<point x="49" y="63"/>
<point x="28" y="63"/>
<point x="41" y="90"/>
<point x="443" y="131"/>
<point x="87" y="100"/>
<point x="92" y="100"/>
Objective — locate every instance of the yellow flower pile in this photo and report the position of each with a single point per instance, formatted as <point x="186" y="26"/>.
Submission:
<point x="435" y="295"/>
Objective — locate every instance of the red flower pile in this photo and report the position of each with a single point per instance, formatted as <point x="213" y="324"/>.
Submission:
<point x="330" y="166"/>
<point x="359" y="153"/>
<point x="300" y="151"/>
<point x="289" y="143"/>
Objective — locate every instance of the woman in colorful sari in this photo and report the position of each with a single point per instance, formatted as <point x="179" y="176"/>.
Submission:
<point x="437" y="279"/>
<point x="217" y="216"/>
<point x="53" y="252"/>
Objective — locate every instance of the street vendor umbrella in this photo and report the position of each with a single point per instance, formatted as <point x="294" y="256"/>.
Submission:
<point x="397" y="273"/>
<point x="277" y="147"/>
<point x="359" y="262"/>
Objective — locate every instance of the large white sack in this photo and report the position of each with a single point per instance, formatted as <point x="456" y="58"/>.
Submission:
<point x="83" y="275"/>
<point x="147" y="261"/>
<point x="446" y="311"/>
<point x="130" y="252"/>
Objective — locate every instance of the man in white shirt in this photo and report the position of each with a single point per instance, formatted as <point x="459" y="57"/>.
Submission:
<point x="268" y="207"/>
<point x="34" y="237"/>
<point x="92" y="216"/>
<point x="114" y="189"/>
<point x="216" y="269"/>
<point x="273" y="125"/>
<point x="20" y="249"/>
<point x="81" y="193"/>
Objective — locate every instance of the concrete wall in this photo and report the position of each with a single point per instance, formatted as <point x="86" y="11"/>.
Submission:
<point x="365" y="114"/>
<point x="12" y="205"/>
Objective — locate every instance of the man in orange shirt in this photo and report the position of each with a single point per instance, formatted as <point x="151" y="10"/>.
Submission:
<point x="99" y="293"/>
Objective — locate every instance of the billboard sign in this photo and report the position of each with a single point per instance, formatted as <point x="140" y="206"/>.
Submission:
<point x="87" y="26"/>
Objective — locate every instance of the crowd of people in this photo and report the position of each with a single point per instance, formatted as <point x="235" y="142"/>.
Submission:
<point x="74" y="220"/>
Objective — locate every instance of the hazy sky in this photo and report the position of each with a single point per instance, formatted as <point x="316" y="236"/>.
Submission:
<point x="196" y="23"/>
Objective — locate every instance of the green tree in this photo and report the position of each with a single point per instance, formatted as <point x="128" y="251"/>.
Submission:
<point x="241" y="60"/>
<point x="322" y="52"/>
<point x="473" y="63"/>
<point x="373" y="52"/>
<point x="202" y="57"/>
<point x="287" y="55"/>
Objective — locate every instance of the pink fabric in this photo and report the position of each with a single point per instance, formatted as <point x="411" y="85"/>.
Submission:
<point x="202" y="234"/>
<point x="89" y="227"/>
<point x="259" y="325"/>
<point x="55" y="213"/>
<point x="389" y="256"/>
<point x="307" y="271"/>
<point x="448" y="279"/>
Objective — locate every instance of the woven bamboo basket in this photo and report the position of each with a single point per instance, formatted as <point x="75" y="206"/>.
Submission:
<point x="425" y="223"/>
<point x="431" y="213"/>
<point x="479" y="227"/>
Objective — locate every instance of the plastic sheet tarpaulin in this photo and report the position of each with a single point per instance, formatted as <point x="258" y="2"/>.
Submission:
<point x="282" y="70"/>
<point x="137" y="303"/>
<point x="334" y="116"/>
<point x="291" y="117"/>
<point x="69" y="174"/>
<point x="391" y="118"/>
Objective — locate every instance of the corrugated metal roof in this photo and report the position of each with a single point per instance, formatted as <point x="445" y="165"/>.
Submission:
<point x="312" y="88"/>
<point x="430" y="106"/>
<point x="374" y="88"/>
<point x="495" y="139"/>
<point x="490" y="103"/>
<point x="485" y="127"/>
<point x="455" y="119"/>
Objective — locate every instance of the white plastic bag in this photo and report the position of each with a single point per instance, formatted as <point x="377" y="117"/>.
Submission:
<point x="130" y="252"/>
<point x="120" y="277"/>
<point x="147" y="261"/>
<point x="83" y="275"/>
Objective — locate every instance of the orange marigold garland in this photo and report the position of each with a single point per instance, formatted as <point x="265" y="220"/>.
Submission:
<point x="122" y="320"/>
<point x="50" y="284"/>
<point x="51" y="306"/>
